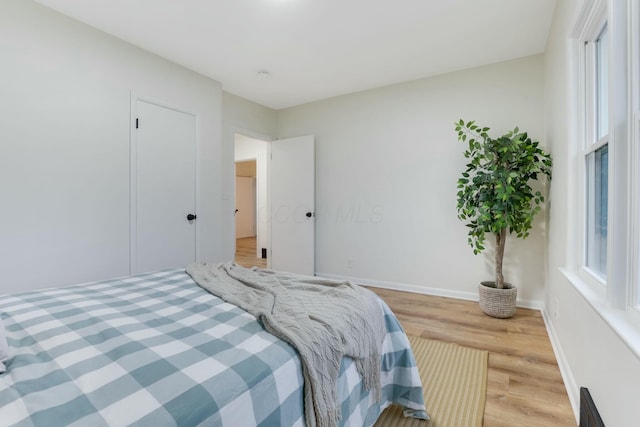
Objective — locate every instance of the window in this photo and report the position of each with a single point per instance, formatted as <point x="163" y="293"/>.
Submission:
<point x="595" y="75"/>
<point x="607" y="261"/>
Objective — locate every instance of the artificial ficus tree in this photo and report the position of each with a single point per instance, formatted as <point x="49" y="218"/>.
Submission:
<point x="494" y="192"/>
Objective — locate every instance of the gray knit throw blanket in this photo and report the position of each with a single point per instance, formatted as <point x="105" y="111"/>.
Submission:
<point x="323" y="320"/>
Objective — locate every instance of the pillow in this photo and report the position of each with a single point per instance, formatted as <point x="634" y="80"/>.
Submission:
<point x="4" y="347"/>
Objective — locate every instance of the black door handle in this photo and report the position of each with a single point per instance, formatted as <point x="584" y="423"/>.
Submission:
<point x="191" y="217"/>
<point x="308" y="214"/>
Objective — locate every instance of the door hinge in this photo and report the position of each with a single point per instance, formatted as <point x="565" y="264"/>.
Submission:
<point x="136" y="123"/>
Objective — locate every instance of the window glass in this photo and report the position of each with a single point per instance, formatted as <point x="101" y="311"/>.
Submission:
<point x="602" y="89"/>
<point x="597" y="209"/>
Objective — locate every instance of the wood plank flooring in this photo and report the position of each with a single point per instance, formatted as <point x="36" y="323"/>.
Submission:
<point x="246" y="253"/>
<point x="524" y="385"/>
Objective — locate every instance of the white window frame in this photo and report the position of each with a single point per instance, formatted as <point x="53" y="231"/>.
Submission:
<point x="590" y="30"/>
<point x="618" y="303"/>
<point x="634" y="234"/>
<point x="634" y="159"/>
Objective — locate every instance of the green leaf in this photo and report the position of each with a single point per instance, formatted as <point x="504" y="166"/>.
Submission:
<point x="494" y="191"/>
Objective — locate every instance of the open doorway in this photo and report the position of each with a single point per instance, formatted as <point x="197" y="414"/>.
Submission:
<point x="251" y="219"/>
<point x="246" y="199"/>
<point x="285" y="202"/>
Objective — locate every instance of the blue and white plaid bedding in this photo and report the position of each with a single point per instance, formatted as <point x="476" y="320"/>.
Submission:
<point x="157" y="350"/>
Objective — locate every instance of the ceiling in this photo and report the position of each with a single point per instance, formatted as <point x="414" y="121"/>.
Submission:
<point x="316" y="49"/>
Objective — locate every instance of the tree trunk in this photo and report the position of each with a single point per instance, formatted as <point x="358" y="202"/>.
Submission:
<point x="500" y="242"/>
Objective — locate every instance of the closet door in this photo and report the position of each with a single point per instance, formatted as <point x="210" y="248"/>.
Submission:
<point x="163" y="191"/>
<point x="292" y="173"/>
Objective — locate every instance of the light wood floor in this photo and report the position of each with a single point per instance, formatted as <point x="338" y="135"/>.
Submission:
<point x="246" y="253"/>
<point x="524" y="386"/>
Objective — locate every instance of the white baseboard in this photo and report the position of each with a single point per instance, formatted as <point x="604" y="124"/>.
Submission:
<point x="440" y="292"/>
<point x="565" y="370"/>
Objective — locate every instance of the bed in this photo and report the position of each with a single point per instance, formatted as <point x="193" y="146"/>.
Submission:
<point x="158" y="350"/>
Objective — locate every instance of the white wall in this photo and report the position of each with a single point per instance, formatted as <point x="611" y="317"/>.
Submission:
<point x="64" y="147"/>
<point x="248" y="148"/>
<point x="387" y="164"/>
<point x="239" y="116"/>
<point x="589" y="352"/>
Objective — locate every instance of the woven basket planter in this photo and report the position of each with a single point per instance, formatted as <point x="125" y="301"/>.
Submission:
<point x="496" y="302"/>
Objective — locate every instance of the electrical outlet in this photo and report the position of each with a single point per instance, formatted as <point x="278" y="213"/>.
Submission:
<point x="349" y="264"/>
<point x="556" y="308"/>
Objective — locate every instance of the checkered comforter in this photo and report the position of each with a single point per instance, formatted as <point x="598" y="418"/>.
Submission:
<point x="157" y="350"/>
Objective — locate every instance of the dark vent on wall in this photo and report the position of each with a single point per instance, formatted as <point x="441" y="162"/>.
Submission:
<point x="589" y="416"/>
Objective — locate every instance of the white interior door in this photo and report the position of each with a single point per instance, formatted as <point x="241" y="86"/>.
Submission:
<point x="245" y="207"/>
<point x="292" y="185"/>
<point x="163" y="188"/>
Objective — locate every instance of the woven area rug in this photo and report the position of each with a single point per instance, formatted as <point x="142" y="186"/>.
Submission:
<point x="454" y="379"/>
